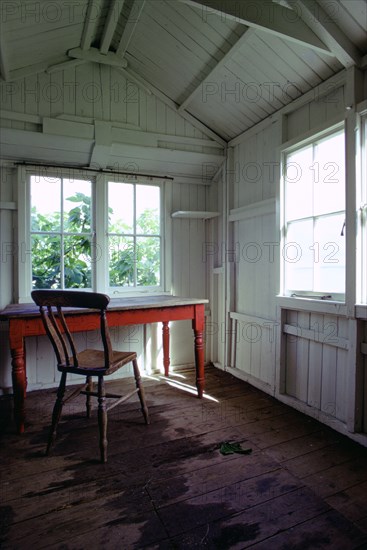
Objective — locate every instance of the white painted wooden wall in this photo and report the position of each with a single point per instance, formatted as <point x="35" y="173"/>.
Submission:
<point x="308" y="358"/>
<point x="82" y="96"/>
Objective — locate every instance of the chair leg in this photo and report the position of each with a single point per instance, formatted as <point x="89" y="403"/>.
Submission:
<point x="56" y="414"/>
<point x="102" y="419"/>
<point x="89" y="399"/>
<point x="141" y="393"/>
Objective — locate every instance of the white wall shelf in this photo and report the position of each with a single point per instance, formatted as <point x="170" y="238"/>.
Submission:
<point x="191" y="214"/>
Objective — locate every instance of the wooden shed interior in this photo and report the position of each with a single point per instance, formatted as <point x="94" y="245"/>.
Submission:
<point x="211" y="149"/>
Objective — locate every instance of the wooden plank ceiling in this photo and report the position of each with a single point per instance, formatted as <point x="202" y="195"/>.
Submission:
<point x="223" y="63"/>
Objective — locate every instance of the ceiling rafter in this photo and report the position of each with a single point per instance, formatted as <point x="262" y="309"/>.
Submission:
<point x="265" y="16"/>
<point x="65" y="65"/>
<point x="323" y="25"/>
<point x="170" y="103"/>
<point x="133" y="19"/>
<point x="243" y="38"/>
<point x="4" y="67"/>
<point x="135" y="78"/>
<point x="94" y="8"/>
<point x="18" y="74"/>
<point x="111" y="24"/>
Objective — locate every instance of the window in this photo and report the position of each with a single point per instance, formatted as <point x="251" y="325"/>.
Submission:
<point x="96" y="232"/>
<point x="314" y="218"/>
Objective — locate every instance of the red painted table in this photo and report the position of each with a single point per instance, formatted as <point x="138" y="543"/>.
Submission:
<point x="24" y="320"/>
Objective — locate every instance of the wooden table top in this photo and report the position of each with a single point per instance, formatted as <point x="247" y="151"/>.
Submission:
<point x="116" y="304"/>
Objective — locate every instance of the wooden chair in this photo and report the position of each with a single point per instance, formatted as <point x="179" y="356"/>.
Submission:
<point x="90" y="362"/>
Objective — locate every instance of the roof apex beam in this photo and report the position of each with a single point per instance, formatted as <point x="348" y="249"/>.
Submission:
<point x="245" y="36"/>
<point x="134" y="16"/>
<point x="265" y="16"/>
<point x="96" y="56"/>
<point x="111" y="24"/>
<point x="323" y="25"/>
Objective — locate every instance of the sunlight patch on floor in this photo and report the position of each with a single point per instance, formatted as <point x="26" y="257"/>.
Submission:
<point x="180" y="385"/>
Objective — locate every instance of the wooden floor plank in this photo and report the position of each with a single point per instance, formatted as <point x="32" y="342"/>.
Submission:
<point x="210" y="477"/>
<point x="183" y="516"/>
<point x="167" y="485"/>
<point x="351" y="502"/>
<point x="256" y="524"/>
<point x="328" y="531"/>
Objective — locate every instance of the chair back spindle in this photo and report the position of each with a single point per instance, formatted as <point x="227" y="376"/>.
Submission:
<point x="56" y="325"/>
<point x="106" y="339"/>
<point x="55" y="335"/>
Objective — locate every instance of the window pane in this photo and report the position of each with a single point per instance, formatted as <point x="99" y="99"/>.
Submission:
<point x="121" y="261"/>
<point x="298" y="184"/>
<point x="77" y="262"/>
<point x="77" y="206"/>
<point x="147" y="210"/>
<point x="330" y="267"/>
<point x="298" y="256"/>
<point x="134" y="212"/>
<point x="120" y="207"/>
<point x="148" y="261"/>
<point x="329" y="169"/>
<point x="45" y="203"/>
<point x="46" y="256"/>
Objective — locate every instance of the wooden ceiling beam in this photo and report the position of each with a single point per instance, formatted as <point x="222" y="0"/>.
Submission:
<point x="265" y="16"/>
<point x="243" y="38"/>
<point x="133" y="19"/>
<point x="4" y="68"/>
<point x="5" y="73"/>
<point x="94" y="8"/>
<point x="18" y="74"/>
<point x="170" y="103"/>
<point x="135" y="78"/>
<point x="95" y="56"/>
<point x="111" y="24"/>
<point x="65" y="65"/>
<point x="323" y="25"/>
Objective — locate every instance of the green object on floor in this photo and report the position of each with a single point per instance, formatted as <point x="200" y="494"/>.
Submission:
<point x="228" y="448"/>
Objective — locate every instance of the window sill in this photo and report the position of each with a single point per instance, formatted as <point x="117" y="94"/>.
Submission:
<point x="361" y="311"/>
<point x="135" y="293"/>
<point x="311" y="304"/>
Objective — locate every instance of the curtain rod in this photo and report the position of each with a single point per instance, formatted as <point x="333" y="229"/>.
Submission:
<point x="98" y="171"/>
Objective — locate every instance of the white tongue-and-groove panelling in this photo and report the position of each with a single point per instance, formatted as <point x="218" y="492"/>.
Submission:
<point x="304" y="356"/>
<point x="91" y="116"/>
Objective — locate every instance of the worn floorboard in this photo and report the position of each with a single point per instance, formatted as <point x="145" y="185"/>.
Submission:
<point x="167" y="486"/>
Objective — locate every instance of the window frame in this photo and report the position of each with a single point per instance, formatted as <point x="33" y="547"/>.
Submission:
<point x="288" y="148"/>
<point x="100" y="255"/>
<point x="361" y="206"/>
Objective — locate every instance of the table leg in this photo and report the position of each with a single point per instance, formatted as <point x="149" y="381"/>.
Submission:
<point x="198" y="327"/>
<point x="166" y="358"/>
<point x="19" y="386"/>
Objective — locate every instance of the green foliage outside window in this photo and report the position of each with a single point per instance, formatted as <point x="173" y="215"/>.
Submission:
<point x="126" y="256"/>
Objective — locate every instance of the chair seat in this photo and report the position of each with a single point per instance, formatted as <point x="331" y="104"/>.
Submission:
<point x="92" y="362"/>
